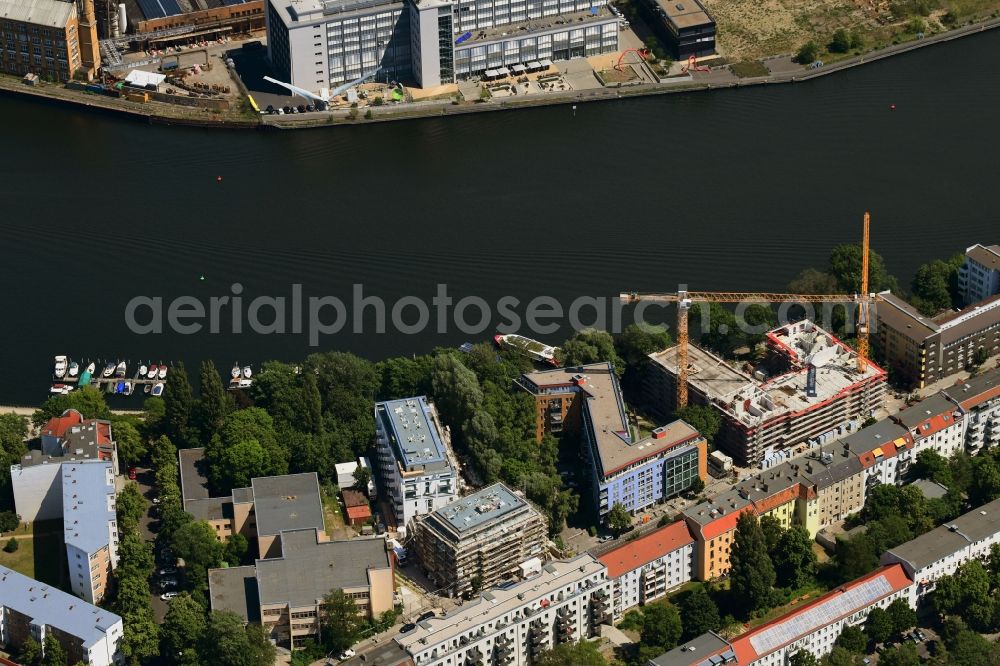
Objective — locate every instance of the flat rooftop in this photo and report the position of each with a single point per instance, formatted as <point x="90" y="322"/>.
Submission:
<point x="88" y="494"/>
<point x="210" y="508"/>
<point x="695" y="651"/>
<point x="288" y="502"/>
<point x="617" y="445"/>
<point x="496" y="602"/>
<point x="194" y="475"/>
<point x="752" y="402"/>
<point x="414" y="435"/>
<point x="308" y="12"/>
<point x="308" y="569"/>
<point x="235" y="590"/>
<point x="951" y="537"/>
<point x="975" y="390"/>
<point x="556" y="22"/>
<point x="48" y="605"/>
<point x="685" y="13"/>
<point x="485" y="506"/>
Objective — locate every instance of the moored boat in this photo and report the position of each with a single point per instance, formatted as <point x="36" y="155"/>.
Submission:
<point x="86" y="376"/>
<point x="60" y="367"/>
<point x="235" y="372"/>
<point x="162" y="373"/>
<point x="74" y="369"/>
<point x="157" y="389"/>
<point x="108" y="370"/>
<point x="533" y="349"/>
<point x="57" y="388"/>
<point x="120" y="369"/>
<point x="153" y="369"/>
<point x="128" y="388"/>
<point x="142" y="370"/>
<point x="247" y="372"/>
<point x="92" y="368"/>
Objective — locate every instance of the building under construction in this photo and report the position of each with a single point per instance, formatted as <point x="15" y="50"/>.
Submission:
<point x="480" y="540"/>
<point x="807" y="391"/>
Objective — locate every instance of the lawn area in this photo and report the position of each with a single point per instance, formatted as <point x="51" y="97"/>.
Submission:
<point x="332" y="513"/>
<point x="40" y="552"/>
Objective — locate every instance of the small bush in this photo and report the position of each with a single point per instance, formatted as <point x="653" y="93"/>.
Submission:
<point x="807" y="53"/>
<point x="12" y="545"/>
<point x="378" y="101"/>
<point x="915" y="25"/>
<point x="368" y="114"/>
<point x="592" y="531"/>
<point x="841" y="42"/>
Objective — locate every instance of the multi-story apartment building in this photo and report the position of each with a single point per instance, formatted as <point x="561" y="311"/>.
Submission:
<point x="979" y="276"/>
<point x="36" y="479"/>
<point x="645" y="569"/>
<point x="936" y="424"/>
<point x="713" y="525"/>
<point x="942" y="550"/>
<point x="922" y="350"/>
<point x="90" y="527"/>
<point x="814" y="394"/>
<point x="688" y="27"/>
<point x="480" y="540"/>
<point x="885" y="450"/>
<point x="568" y="601"/>
<point x="318" y="44"/>
<point x="813" y="627"/>
<point x="979" y="399"/>
<point x="30" y="609"/>
<point x="48" y="38"/>
<point x="285" y="593"/>
<point x="419" y="472"/>
<point x="626" y="469"/>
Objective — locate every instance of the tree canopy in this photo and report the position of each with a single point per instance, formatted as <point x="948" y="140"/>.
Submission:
<point x="751" y="572"/>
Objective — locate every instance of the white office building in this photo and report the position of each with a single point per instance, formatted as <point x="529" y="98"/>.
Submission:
<point x="567" y="602"/>
<point x="979" y="276"/>
<point x="320" y="44"/>
<point x="30" y="609"/>
<point x="90" y="527"/>
<point x="419" y="472"/>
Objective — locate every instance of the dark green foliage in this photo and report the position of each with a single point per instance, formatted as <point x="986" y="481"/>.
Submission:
<point x="619" y="518"/>
<point x="699" y="614"/>
<point x="661" y="626"/>
<point x="178" y="402"/>
<point x="128" y="439"/>
<point x="195" y="543"/>
<point x="902" y="616"/>
<point x="11" y="546"/>
<point x="88" y="400"/>
<point x="794" y="558"/>
<point x="935" y="284"/>
<point x="9" y="521"/>
<point x="853" y="639"/>
<point x="213" y="404"/>
<point x="13" y="430"/>
<point x="30" y="653"/>
<point x="904" y="654"/>
<point x="803" y="658"/>
<point x="841" y="42"/>
<point x="341" y="622"/>
<point x="246" y="446"/>
<point x="751" y="575"/>
<point x="807" y="53"/>
<point x="55" y="655"/>
<point x="878" y="625"/>
<point x="590" y="346"/>
<point x="140" y="640"/>
<point x="182" y="631"/>
<point x="226" y="642"/>
<point x="131" y="507"/>
<point x="703" y="418"/>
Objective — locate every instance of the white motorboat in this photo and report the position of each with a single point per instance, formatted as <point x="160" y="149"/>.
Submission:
<point x="109" y="369"/>
<point x="163" y="372"/>
<point x="153" y="369"/>
<point x="235" y="372"/>
<point x="91" y="369"/>
<point x="142" y="370"/>
<point x="145" y="389"/>
<point x="247" y="372"/>
<point x="533" y="349"/>
<point x="120" y="369"/>
<point x="157" y="389"/>
<point x="57" y="388"/>
<point x="128" y="388"/>
<point x="74" y="369"/>
<point x="60" y="367"/>
<point x="244" y="383"/>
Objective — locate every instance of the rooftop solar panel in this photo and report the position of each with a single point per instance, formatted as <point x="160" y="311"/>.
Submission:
<point x="820" y="615"/>
<point x="153" y="9"/>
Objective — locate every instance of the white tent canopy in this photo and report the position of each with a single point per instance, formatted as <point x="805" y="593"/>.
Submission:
<point x="138" y="77"/>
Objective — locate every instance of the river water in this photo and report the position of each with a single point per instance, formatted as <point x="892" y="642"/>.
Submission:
<point x="736" y="189"/>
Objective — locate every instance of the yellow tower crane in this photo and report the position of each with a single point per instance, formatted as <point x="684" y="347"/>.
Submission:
<point x="684" y="299"/>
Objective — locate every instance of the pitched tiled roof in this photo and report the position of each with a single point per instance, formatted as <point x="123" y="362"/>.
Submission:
<point x="57" y="426"/>
<point x="645" y="549"/>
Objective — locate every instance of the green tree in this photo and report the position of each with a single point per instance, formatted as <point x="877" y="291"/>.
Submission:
<point x="699" y="613"/>
<point x="9" y="521"/>
<point x="935" y="285"/>
<point x="803" y="658"/>
<point x="404" y="376"/>
<point x="966" y="592"/>
<point x="195" y="543"/>
<point x="900" y="655"/>
<point x="136" y="554"/>
<point x="55" y="655"/>
<point x="697" y="486"/>
<point x="841" y="42"/>
<point x="715" y="327"/>
<point x="985" y="485"/>
<point x="456" y="389"/>
<point x="794" y="558"/>
<point x="182" y="631"/>
<point x="583" y="653"/>
<point x="902" y="616"/>
<point x="235" y="549"/>
<point x="856" y="557"/>
<point x="807" y="53"/>
<point x="240" y="462"/>
<point x="772" y="529"/>
<point x="131" y="446"/>
<point x="362" y="476"/>
<point x="13" y="430"/>
<point x="11" y="546"/>
<point x="87" y="400"/>
<point x="840" y="656"/>
<point x="227" y="642"/>
<point x="140" y="639"/>
<point x="590" y="346"/>
<point x="813" y="281"/>
<point x="638" y="341"/>
<point x="751" y="573"/>
<point x="153" y="412"/>
<point x="131" y="507"/>
<point x="853" y="639"/>
<point x="30" y="652"/>
<point x="245" y="447"/>
<point x="312" y="405"/>
<point x="884" y="501"/>
<point x="932" y="466"/>
<point x="178" y="402"/>
<point x="341" y="622"/>
<point x="618" y="518"/>
<point x="878" y="625"/>
<point x="703" y="418"/>
<point x="661" y="626"/>
<point x="213" y="403"/>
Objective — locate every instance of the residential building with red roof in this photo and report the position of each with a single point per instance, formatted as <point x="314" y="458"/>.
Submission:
<point x="356" y="506"/>
<point x="35" y="479"/>
<point x="936" y="424"/>
<point x="646" y="568"/>
<point x="979" y="399"/>
<point x="812" y="628"/>
<point x="713" y="524"/>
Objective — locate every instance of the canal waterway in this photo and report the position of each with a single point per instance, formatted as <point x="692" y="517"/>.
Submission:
<point x="735" y="189"/>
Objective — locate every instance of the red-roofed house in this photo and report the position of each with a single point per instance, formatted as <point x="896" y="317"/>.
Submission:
<point x="356" y="507"/>
<point x="712" y="524"/>
<point x="647" y="568"/>
<point x="815" y="626"/>
<point x="979" y="398"/>
<point x="56" y="427"/>
<point x="935" y="423"/>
